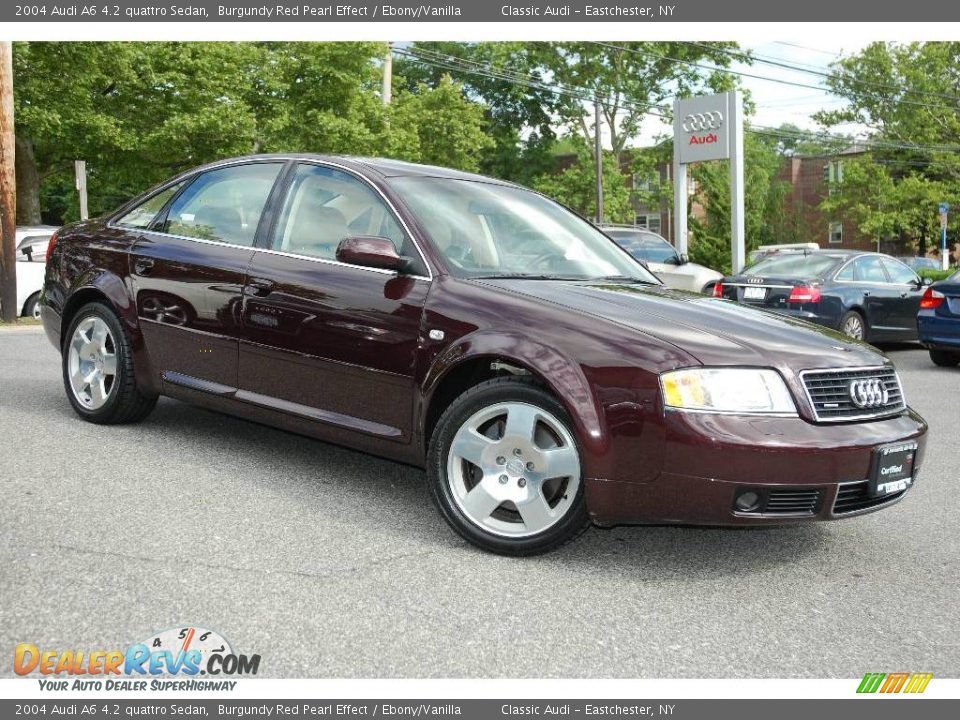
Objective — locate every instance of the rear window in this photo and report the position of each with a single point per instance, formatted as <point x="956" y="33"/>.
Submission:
<point x="804" y="267"/>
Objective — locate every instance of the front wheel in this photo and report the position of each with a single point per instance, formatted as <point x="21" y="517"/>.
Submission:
<point x="504" y="469"/>
<point x="944" y="358"/>
<point x="98" y="369"/>
<point x="31" y="308"/>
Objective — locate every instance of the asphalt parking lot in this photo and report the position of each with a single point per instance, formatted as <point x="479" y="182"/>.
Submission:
<point x="331" y="563"/>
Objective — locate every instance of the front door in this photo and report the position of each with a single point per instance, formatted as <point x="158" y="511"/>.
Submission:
<point x="323" y="339"/>
<point x="909" y="290"/>
<point x="188" y="269"/>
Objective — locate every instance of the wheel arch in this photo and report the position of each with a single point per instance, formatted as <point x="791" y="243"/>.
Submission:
<point x="479" y="357"/>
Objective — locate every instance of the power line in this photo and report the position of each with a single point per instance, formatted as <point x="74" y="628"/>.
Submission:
<point x="754" y="76"/>
<point x="463" y="65"/>
<point x="825" y="74"/>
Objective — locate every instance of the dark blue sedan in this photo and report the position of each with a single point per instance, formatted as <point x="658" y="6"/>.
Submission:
<point x="938" y="321"/>
<point x="866" y="295"/>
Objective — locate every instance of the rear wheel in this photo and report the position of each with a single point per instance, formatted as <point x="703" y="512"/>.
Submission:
<point x="31" y="308"/>
<point x="854" y="325"/>
<point x="504" y="469"/>
<point x="98" y="369"/>
<point x="943" y="358"/>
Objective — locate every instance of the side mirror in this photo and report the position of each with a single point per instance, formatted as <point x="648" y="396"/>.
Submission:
<point x="924" y="282"/>
<point x="684" y="259"/>
<point x="28" y="251"/>
<point x="371" y="251"/>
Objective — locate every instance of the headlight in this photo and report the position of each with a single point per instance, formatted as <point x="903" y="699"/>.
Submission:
<point x="732" y="390"/>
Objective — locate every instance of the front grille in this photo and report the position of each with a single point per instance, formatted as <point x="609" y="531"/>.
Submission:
<point x="792" y="502"/>
<point x="854" y="497"/>
<point x="830" y="398"/>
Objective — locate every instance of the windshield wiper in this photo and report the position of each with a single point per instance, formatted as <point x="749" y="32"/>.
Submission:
<point x="625" y="278"/>
<point x="524" y="276"/>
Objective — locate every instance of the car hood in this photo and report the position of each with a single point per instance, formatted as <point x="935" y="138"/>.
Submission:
<point x="715" y="332"/>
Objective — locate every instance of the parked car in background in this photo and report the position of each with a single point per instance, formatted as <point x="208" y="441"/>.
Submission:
<point x="865" y="295"/>
<point x="938" y="322"/>
<point x="663" y="260"/>
<point x="542" y="384"/>
<point x="765" y="250"/>
<point x="920" y="263"/>
<point x="32" y="244"/>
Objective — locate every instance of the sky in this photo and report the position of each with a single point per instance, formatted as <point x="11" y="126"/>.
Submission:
<point x="776" y="103"/>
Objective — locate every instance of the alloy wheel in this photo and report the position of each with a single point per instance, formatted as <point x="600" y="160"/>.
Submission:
<point x="92" y="363"/>
<point x="513" y="469"/>
<point x="853" y="327"/>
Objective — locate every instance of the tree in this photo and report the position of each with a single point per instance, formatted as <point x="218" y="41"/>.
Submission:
<point x="764" y="194"/>
<point x="447" y="128"/>
<point x="575" y="186"/>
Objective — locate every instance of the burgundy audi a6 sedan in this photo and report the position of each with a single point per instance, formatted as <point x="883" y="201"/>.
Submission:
<point x="540" y="374"/>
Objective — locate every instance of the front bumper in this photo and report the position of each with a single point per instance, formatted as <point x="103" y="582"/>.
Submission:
<point x="710" y="459"/>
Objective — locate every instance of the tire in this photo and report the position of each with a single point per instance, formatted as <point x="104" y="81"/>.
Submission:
<point x="97" y="346"/>
<point x="944" y="358"/>
<point x="537" y="511"/>
<point x="31" y="308"/>
<point x="708" y="288"/>
<point x="853" y="319"/>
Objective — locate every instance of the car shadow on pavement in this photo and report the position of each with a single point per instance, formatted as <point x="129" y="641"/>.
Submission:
<point x="313" y="470"/>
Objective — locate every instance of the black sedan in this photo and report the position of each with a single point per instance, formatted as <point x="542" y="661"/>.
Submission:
<point x="865" y="295"/>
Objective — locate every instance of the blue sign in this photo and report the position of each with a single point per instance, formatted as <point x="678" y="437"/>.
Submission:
<point x="944" y="208"/>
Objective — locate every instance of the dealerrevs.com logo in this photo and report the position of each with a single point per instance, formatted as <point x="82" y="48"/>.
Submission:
<point x="155" y="664"/>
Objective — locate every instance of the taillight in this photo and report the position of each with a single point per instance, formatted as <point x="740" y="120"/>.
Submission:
<point x="804" y="295"/>
<point x="718" y="290"/>
<point x="931" y="299"/>
<point x="53" y="241"/>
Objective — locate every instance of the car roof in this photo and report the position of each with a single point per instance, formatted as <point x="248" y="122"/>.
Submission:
<point x="384" y="167"/>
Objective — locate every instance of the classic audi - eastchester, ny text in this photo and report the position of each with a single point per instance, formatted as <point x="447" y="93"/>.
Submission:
<point x="542" y="376"/>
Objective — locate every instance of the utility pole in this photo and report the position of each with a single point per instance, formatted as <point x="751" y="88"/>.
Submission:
<point x="8" y="199"/>
<point x="387" y="92"/>
<point x="80" y="171"/>
<point x="598" y="156"/>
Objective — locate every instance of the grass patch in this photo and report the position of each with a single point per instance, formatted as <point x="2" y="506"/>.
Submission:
<point x="21" y="322"/>
<point x="937" y="274"/>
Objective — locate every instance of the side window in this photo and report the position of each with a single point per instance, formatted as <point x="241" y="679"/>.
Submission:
<point x="899" y="273"/>
<point x="846" y="273"/>
<point x="326" y="205"/>
<point x="869" y="269"/>
<point x="224" y="205"/>
<point x="146" y="212"/>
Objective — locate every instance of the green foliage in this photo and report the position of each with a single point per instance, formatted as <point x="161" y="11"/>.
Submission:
<point x="575" y="186"/>
<point x="764" y="196"/>
<point x="937" y="274"/>
<point x="139" y="112"/>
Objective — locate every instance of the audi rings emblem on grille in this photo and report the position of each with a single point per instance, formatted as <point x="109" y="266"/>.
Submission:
<point x="698" y="122"/>
<point x="869" y="393"/>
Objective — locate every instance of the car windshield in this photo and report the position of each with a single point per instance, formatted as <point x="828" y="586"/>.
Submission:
<point x="803" y="267"/>
<point x="645" y="245"/>
<point x="489" y="230"/>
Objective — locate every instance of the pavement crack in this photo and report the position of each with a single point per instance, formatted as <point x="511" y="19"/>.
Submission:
<point x="350" y="570"/>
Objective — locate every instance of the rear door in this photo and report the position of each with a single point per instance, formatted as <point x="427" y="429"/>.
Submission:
<point x="327" y="340"/>
<point x="909" y="291"/>
<point x="880" y="297"/>
<point x="188" y="266"/>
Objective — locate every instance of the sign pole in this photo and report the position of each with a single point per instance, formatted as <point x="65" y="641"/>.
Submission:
<point x="679" y="195"/>
<point x="944" y="208"/>
<point x="737" y="228"/>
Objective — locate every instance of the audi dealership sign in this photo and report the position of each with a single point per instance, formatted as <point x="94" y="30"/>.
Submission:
<point x="702" y="129"/>
<point x="709" y="128"/>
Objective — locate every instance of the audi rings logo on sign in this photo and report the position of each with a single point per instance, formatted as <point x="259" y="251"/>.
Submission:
<point x="869" y="393"/>
<point x="701" y="122"/>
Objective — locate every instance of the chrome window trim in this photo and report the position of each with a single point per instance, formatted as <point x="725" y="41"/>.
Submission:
<point x="113" y="225"/>
<point x="887" y="413"/>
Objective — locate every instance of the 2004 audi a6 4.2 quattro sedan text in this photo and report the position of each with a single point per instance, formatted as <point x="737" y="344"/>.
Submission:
<point x="540" y="374"/>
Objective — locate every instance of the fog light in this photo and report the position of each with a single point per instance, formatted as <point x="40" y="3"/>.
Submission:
<point x="747" y="501"/>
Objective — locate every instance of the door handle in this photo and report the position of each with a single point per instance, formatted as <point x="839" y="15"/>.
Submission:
<point x="866" y="293"/>
<point x="258" y="287"/>
<point x="143" y="266"/>
<point x="903" y="294"/>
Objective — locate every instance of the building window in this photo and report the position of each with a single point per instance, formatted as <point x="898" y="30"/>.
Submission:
<point x="833" y="176"/>
<point x="649" y="222"/>
<point x="646" y="183"/>
<point x="836" y="233"/>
